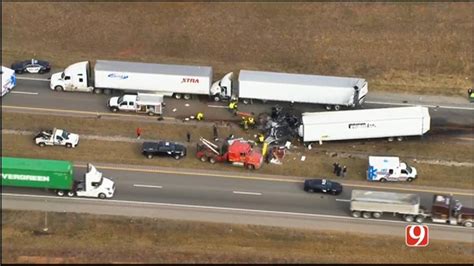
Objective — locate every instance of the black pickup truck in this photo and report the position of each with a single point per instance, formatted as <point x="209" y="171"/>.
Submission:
<point x="163" y="148"/>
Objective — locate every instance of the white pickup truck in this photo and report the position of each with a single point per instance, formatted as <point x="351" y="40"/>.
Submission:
<point x="150" y="104"/>
<point x="56" y="137"/>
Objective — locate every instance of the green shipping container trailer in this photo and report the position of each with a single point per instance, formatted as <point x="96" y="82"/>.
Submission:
<point x="36" y="173"/>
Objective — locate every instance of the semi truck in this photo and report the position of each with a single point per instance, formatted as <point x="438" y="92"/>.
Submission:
<point x="390" y="168"/>
<point x="332" y="92"/>
<point x="391" y="123"/>
<point x="234" y="151"/>
<point x="444" y="209"/>
<point x="179" y="81"/>
<point x="55" y="175"/>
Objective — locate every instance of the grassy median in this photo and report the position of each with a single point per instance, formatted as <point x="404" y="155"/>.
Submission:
<point x="318" y="162"/>
<point x="85" y="238"/>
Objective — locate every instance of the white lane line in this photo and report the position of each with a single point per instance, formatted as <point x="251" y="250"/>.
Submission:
<point x="247" y="193"/>
<point x="26" y="78"/>
<point x="149" y="186"/>
<point x="469" y="139"/>
<point x="455" y="227"/>
<point x="425" y="105"/>
<point x="344" y="200"/>
<point x="217" y="106"/>
<point x="24" y="92"/>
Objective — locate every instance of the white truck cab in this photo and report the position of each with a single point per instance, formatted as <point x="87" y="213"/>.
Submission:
<point x="8" y="80"/>
<point x="389" y="168"/>
<point x="74" y="78"/>
<point x="222" y="89"/>
<point x="152" y="104"/>
<point x="95" y="185"/>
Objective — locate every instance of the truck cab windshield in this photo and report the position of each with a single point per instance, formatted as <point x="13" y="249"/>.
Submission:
<point x="65" y="135"/>
<point x="120" y="99"/>
<point x="409" y="169"/>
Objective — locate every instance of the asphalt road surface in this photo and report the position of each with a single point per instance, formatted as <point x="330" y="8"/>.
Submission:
<point x="227" y="199"/>
<point x="37" y="94"/>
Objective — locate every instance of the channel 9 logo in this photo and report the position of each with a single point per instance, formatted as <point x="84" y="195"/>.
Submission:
<point x="417" y="235"/>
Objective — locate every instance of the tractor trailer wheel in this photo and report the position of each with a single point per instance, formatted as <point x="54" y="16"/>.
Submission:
<point x="409" y="218"/>
<point x="102" y="196"/>
<point x="60" y="193"/>
<point x="419" y="219"/>
<point x="59" y="88"/>
<point x="212" y="160"/>
<point x="377" y="215"/>
<point x="203" y="159"/>
<point x="467" y="223"/>
<point x="366" y="215"/>
<point x="356" y="214"/>
<point x="71" y="194"/>
<point x="41" y="144"/>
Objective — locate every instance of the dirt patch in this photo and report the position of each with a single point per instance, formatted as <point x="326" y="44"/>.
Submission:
<point x="85" y="238"/>
<point x="400" y="47"/>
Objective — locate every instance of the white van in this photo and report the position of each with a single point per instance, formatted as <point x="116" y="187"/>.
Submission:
<point x="387" y="168"/>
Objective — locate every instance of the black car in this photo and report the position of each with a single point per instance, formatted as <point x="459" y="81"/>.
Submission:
<point x="31" y="66"/>
<point x="322" y="185"/>
<point x="163" y="148"/>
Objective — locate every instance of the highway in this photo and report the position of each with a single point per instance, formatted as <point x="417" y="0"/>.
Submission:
<point x="37" y="95"/>
<point x="226" y="199"/>
<point x="219" y="198"/>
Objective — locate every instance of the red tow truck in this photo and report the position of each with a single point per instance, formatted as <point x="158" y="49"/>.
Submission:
<point x="234" y="151"/>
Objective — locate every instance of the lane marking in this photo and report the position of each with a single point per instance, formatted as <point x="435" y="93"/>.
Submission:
<point x="217" y="106"/>
<point x="425" y="105"/>
<point x="147" y="186"/>
<point x="265" y="179"/>
<point x="79" y="112"/>
<point x="469" y="139"/>
<point x="26" y="78"/>
<point x="24" y="92"/>
<point x="247" y="193"/>
<point x="343" y="200"/>
<point x="106" y="201"/>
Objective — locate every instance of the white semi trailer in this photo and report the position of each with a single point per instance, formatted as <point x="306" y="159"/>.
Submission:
<point x="179" y="81"/>
<point x="332" y="92"/>
<point x="391" y="123"/>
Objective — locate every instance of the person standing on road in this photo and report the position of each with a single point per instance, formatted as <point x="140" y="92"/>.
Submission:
<point x="339" y="170"/>
<point x="139" y="132"/>
<point x="344" y="171"/>
<point x="199" y="116"/>
<point x="336" y="166"/>
<point x="214" y="129"/>
<point x="188" y="136"/>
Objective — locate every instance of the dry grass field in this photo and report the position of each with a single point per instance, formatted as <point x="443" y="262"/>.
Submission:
<point x="400" y="47"/>
<point x="84" y="238"/>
